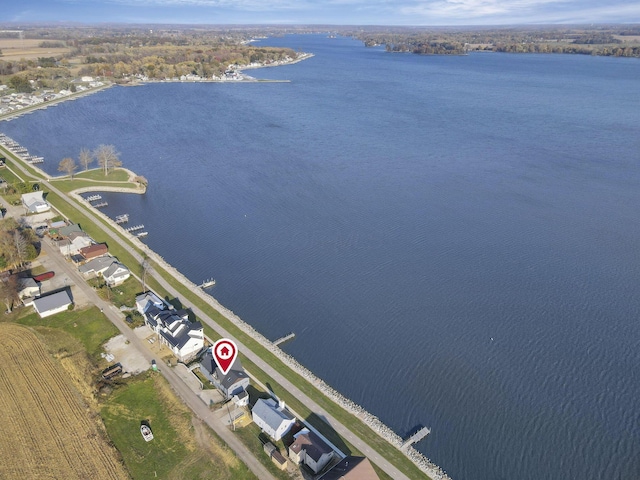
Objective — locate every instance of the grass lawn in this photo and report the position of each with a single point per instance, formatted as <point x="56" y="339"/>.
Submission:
<point x="250" y="436"/>
<point x="117" y="175"/>
<point x="68" y="185"/>
<point x="181" y="449"/>
<point x="89" y="327"/>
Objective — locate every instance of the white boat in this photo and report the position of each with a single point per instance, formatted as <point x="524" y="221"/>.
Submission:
<point x="146" y="433"/>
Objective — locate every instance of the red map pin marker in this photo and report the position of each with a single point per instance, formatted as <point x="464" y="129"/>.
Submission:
<point x="225" y="353"/>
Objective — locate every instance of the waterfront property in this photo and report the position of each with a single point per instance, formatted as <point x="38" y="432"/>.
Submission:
<point x="233" y="383"/>
<point x="272" y="418"/>
<point x="352" y="468"/>
<point x="184" y="338"/>
<point x="309" y="449"/>
<point x="73" y="243"/>
<point x="113" y="272"/>
<point x="93" y="251"/>
<point x="34" y="202"/>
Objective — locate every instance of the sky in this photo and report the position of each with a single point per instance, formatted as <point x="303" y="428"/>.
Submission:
<point x="328" y="12"/>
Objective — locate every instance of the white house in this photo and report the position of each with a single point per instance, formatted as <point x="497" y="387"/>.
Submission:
<point x="74" y="243"/>
<point x="272" y="418"/>
<point x="52" y="304"/>
<point x="310" y="449"/>
<point x="184" y="338"/>
<point x="233" y="383"/>
<point x="116" y="274"/>
<point x="96" y="266"/>
<point x="34" y="202"/>
<point x="28" y="287"/>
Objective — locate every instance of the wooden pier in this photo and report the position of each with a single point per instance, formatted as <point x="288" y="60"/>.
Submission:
<point x="207" y="283"/>
<point x="94" y="197"/>
<point x="124" y="218"/>
<point x="286" y="338"/>
<point x="99" y="205"/>
<point x="133" y="229"/>
<point x="416" y="437"/>
<point x="141" y="234"/>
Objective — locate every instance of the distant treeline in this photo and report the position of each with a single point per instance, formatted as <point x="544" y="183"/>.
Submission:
<point x="617" y="40"/>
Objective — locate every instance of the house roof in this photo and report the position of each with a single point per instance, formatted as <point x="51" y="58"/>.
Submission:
<point x="33" y="200"/>
<point x="352" y="468"/>
<point x="235" y="374"/>
<point x="311" y="443"/>
<point x="52" y="302"/>
<point x="94" y="250"/>
<point x="113" y="269"/>
<point x="96" y="265"/>
<point x="267" y="410"/>
<point x="145" y="301"/>
<point x="69" y="229"/>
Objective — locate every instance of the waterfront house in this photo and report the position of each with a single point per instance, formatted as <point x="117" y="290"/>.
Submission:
<point x="309" y="449"/>
<point x="52" y="304"/>
<point x="116" y="274"/>
<point x="73" y="243"/>
<point x="34" y="202"/>
<point x="352" y="468"/>
<point x="184" y="338"/>
<point x="233" y="383"/>
<point x="93" y="251"/>
<point x="97" y="266"/>
<point x="272" y="418"/>
<point x="63" y="230"/>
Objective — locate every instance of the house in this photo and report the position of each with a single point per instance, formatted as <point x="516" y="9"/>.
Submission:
<point x="63" y="230"/>
<point x="28" y="287"/>
<point x="116" y="274"/>
<point x="93" y="251"/>
<point x="272" y="418"/>
<point x="52" y="304"/>
<point x="109" y="267"/>
<point x="184" y="338"/>
<point x="74" y="242"/>
<point x="233" y="383"/>
<point x="97" y="266"/>
<point x="34" y="202"/>
<point x="352" y="468"/>
<point x="310" y="449"/>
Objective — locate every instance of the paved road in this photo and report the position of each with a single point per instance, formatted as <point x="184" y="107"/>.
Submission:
<point x="355" y="440"/>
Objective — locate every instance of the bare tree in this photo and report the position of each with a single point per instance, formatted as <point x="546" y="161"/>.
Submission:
<point x="146" y="268"/>
<point x="67" y="165"/>
<point x="20" y="244"/>
<point x="108" y="158"/>
<point x="86" y="158"/>
<point x="9" y="291"/>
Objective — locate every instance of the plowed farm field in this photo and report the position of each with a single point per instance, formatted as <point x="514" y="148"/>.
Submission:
<point x="47" y="431"/>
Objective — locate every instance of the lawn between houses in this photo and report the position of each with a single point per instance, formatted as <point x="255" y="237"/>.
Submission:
<point x="392" y="454"/>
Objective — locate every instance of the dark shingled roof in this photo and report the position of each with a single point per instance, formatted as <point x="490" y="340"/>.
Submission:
<point x="311" y="443"/>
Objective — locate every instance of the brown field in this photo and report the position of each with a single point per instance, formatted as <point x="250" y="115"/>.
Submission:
<point x="15" y="49"/>
<point x="48" y="432"/>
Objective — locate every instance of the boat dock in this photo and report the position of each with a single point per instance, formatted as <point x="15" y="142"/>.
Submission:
<point x="416" y="437"/>
<point x="207" y="283"/>
<point x="286" y="338"/>
<point x="142" y="234"/>
<point x="99" y="205"/>
<point x="133" y="229"/>
<point x="124" y="218"/>
<point x="94" y="197"/>
<point x="19" y="150"/>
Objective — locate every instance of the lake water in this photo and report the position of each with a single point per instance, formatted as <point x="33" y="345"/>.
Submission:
<point x="454" y="240"/>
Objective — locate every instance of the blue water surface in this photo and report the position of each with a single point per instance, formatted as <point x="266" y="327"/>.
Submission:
<point x="454" y="240"/>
